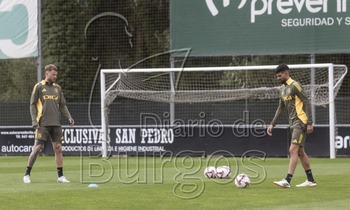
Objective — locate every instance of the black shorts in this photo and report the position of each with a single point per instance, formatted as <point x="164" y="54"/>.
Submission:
<point x="298" y="134"/>
<point x="54" y="133"/>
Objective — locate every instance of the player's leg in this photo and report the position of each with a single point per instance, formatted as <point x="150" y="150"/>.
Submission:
<point x="310" y="182"/>
<point x="57" y="138"/>
<point x="57" y="147"/>
<point x="31" y="160"/>
<point x="296" y="142"/>
<point x="293" y="161"/>
<point x="38" y="145"/>
<point x="304" y="158"/>
<point x="40" y="137"/>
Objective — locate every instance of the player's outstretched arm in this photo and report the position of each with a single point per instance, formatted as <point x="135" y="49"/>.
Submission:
<point x="33" y="107"/>
<point x="269" y="130"/>
<point x="278" y="113"/>
<point x="64" y="110"/>
<point x="66" y="113"/>
<point x="71" y="121"/>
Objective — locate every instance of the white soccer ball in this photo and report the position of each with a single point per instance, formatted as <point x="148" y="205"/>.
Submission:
<point x="223" y="172"/>
<point x="210" y="172"/>
<point x="242" y="181"/>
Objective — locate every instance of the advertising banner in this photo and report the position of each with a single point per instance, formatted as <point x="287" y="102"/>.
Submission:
<point x="260" y="27"/>
<point x="192" y="140"/>
<point x="342" y="141"/>
<point x="18" y="28"/>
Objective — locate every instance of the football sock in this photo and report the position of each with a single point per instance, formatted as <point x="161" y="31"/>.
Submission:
<point x="60" y="171"/>
<point x="28" y="171"/>
<point x="310" y="178"/>
<point x="289" y="178"/>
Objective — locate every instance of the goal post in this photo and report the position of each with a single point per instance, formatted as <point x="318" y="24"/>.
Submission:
<point x="216" y="84"/>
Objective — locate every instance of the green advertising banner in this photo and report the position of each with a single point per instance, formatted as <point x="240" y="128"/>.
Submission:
<point x="18" y="28"/>
<point x="260" y="27"/>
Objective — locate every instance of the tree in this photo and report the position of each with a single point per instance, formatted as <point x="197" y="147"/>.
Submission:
<point x="63" y="43"/>
<point x="18" y="77"/>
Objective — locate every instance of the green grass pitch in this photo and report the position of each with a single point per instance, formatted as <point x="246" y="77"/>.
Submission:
<point x="170" y="183"/>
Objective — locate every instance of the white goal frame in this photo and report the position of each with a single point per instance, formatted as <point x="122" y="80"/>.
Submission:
<point x="331" y="97"/>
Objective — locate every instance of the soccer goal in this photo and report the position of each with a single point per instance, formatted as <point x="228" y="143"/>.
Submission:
<point x="246" y="84"/>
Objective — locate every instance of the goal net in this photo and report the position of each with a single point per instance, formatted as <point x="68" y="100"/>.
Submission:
<point x="255" y="85"/>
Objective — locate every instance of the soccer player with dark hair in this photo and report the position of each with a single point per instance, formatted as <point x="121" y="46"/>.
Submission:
<point x="46" y="105"/>
<point x="298" y="107"/>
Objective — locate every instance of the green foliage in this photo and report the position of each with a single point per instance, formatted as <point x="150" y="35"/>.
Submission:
<point x="18" y="77"/>
<point x="78" y="55"/>
<point x="63" y="42"/>
<point x="106" y="43"/>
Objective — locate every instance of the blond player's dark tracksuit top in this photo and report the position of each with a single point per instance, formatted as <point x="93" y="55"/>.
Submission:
<point x="46" y="104"/>
<point x="295" y="102"/>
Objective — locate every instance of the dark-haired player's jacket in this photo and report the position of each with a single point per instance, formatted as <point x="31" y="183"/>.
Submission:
<point x="46" y="104"/>
<point x="295" y="102"/>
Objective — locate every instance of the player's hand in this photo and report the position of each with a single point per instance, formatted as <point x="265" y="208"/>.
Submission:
<point x="71" y="121"/>
<point x="269" y="130"/>
<point x="309" y="129"/>
<point x="36" y="126"/>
